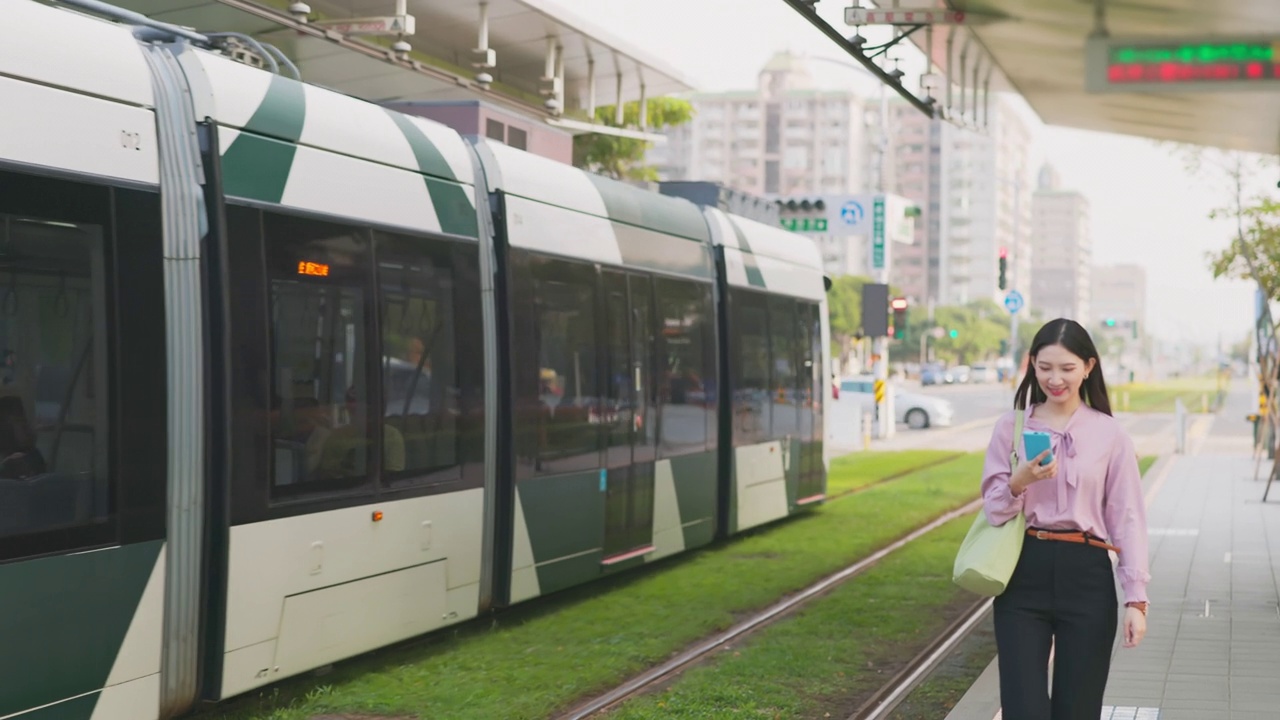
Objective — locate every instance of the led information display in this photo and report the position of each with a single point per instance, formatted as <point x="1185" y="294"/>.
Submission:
<point x="1119" y="65"/>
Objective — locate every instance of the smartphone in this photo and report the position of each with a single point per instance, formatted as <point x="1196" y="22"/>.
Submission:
<point x="1037" y="442"/>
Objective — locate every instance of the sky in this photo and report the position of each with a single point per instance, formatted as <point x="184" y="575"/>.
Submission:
<point x="1146" y="207"/>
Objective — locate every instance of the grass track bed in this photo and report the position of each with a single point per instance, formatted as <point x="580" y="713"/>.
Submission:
<point x="828" y="659"/>
<point x="854" y="472"/>
<point x="531" y="660"/>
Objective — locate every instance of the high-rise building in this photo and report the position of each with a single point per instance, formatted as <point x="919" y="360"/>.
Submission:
<point x="1119" y="294"/>
<point x="990" y="209"/>
<point x="974" y="192"/>
<point x="786" y="137"/>
<point x="1061" y="250"/>
<point x="918" y="149"/>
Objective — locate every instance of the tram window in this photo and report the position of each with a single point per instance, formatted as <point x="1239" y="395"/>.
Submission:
<point x="320" y="419"/>
<point x="420" y="387"/>
<point x="53" y="399"/>
<point x="684" y="384"/>
<point x="810" y="378"/>
<point x="783" y="335"/>
<point x="749" y="366"/>
<point x="561" y="420"/>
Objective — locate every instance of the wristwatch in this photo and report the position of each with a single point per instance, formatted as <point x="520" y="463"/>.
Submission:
<point x="1140" y="606"/>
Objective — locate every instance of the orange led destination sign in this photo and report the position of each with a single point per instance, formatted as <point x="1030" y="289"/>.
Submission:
<point x="313" y="269"/>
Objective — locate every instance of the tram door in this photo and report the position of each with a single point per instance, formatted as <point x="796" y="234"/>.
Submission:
<point x="629" y="412"/>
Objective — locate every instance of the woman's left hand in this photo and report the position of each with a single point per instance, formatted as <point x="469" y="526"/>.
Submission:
<point x="1135" y="627"/>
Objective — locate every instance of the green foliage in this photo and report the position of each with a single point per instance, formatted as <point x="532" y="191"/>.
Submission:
<point x="853" y="472"/>
<point x="844" y="305"/>
<point x="623" y="158"/>
<point x="979" y="329"/>
<point x="844" y="309"/>
<point x="1258" y="242"/>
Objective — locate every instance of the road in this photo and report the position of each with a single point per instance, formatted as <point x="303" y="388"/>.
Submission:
<point x="977" y="407"/>
<point x="971" y="401"/>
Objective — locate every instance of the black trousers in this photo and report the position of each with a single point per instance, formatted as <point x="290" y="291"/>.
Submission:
<point x="1063" y="593"/>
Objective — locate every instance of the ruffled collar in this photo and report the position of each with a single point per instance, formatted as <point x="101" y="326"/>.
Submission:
<point x="1063" y="446"/>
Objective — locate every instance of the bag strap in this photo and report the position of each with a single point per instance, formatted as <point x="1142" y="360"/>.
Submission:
<point x="1017" y="434"/>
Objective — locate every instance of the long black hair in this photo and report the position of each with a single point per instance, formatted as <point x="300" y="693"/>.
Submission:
<point x="1072" y="336"/>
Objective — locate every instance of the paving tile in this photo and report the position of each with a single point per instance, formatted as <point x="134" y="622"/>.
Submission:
<point x="1168" y="713"/>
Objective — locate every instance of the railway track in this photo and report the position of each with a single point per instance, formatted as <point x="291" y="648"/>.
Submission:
<point x="655" y="676"/>
<point x="892" y="693"/>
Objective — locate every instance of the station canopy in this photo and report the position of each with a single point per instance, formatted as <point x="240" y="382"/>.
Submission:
<point x="1205" y="72"/>
<point x="441" y="66"/>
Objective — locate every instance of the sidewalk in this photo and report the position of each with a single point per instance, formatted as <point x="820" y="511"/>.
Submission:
<point x="1212" y="649"/>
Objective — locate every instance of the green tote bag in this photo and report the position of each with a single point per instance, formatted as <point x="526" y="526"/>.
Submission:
<point x="989" y="554"/>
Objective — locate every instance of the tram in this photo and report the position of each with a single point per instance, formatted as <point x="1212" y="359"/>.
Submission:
<point x="287" y="376"/>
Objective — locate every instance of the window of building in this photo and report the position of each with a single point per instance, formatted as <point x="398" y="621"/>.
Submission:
<point x="796" y="157"/>
<point x="517" y="138"/>
<point x="495" y="130"/>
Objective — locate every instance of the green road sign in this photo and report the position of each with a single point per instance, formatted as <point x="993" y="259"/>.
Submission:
<point x="877" y="234"/>
<point x="808" y="224"/>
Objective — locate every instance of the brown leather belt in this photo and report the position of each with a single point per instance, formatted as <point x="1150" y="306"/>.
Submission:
<point x="1074" y="536"/>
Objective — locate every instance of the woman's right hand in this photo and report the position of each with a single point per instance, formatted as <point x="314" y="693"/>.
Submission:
<point x="1031" y="472"/>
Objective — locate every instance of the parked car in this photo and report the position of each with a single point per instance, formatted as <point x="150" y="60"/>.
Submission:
<point x="962" y="373"/>
<point x="936" y="375"/>
<point x="915" y="410"/>
<point x="984" y="374"/>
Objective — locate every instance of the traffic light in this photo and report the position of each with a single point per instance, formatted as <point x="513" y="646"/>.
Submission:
<point x="1004" y="269"/>
<point x="899" y="305"/>
<point x="954" y="333"/>
<point x="803" y="214"/>
<point x="1109" y="322"/>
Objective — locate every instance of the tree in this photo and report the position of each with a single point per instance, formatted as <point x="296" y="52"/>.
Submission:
<point x="623" y="158"/>
<point x="844" y="309"/>
<point x="1255" y="253"/>
<point x="980" y="327"/>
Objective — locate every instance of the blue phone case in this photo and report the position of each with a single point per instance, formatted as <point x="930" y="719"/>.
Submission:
<point x="1036" y="443"/>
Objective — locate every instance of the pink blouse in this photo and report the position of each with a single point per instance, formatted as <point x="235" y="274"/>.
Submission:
<point x="1097" y="489"/>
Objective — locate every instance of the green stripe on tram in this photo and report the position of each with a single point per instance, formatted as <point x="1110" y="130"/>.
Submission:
<point x="257" y="164"/>
<point x="634" y="206"/>
<point x="455" y="210"/>
<point x="754" y="277"/>
<point x="64" y="619"/>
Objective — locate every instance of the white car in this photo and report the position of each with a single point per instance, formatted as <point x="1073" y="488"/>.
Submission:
<point x="984" y="374"/>
<point x="917" y="411"/>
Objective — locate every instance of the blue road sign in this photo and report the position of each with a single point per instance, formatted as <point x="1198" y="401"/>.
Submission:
<point x="851" y="212"/>
<point x="1013" y="302"/>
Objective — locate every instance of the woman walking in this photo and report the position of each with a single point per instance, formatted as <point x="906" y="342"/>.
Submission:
<point x="1087" y="500"/>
